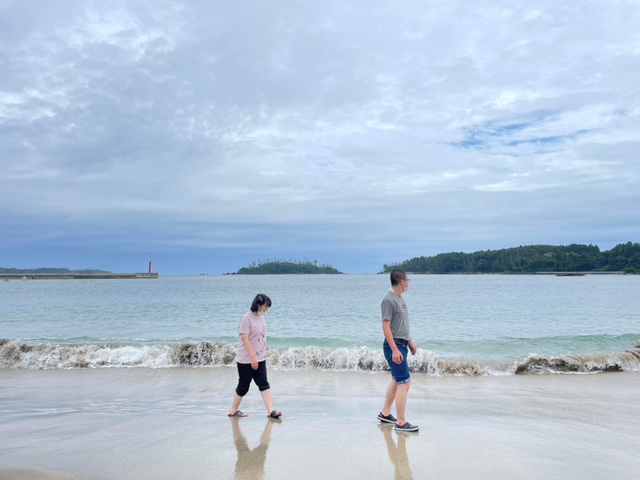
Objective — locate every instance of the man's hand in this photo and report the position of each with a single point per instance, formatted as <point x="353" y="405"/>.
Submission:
<point x="397" y="356"/>
<point x="412" y="347"/>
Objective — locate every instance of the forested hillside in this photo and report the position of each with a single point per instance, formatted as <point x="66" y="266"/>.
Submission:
<point x="624" y="257"/>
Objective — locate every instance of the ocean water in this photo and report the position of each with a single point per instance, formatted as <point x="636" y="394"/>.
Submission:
<point x="462" y="324"/>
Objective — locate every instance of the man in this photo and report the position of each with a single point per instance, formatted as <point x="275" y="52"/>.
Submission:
<point x="396" y="346"/>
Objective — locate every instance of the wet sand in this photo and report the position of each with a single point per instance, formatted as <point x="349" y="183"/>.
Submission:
<point x="173" y="424"/>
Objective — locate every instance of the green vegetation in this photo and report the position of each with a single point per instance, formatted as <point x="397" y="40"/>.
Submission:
<point x="19" y="271"/>
<point x="269" y="267"/>
<point x="624" y="257"/>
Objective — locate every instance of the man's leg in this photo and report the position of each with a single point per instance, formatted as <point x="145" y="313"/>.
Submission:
<point x="402" y="393"/>
<point x="389" y="398"/>
<point x="403" y="379"/>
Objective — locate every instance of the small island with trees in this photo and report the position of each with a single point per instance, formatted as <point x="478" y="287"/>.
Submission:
<point x="271" y="267"/>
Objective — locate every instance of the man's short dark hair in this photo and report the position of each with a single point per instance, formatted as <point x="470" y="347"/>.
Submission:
<point x="397" y="276"/>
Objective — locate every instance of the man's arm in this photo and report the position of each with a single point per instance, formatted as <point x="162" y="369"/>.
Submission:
<point x="397" y="356"/>
<point x="412" y="347"/>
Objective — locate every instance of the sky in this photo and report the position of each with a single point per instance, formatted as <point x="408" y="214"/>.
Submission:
<point x="204" y="135"/>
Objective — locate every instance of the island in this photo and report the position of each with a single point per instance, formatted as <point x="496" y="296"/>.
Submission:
<point x="279" y="267"/>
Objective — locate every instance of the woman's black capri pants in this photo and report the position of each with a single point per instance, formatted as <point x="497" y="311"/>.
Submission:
<point x="246" y="374"/>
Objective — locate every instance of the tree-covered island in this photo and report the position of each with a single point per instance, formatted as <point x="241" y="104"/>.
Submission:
<point x="270" y="267"/>
<point x="624" y="257"/>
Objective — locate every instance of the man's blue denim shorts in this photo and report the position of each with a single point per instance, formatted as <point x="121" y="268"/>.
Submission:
<point x="399" y="372"/>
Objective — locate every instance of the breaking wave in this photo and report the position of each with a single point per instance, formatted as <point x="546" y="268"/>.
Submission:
<point x="17" y="355"/>
<point x="629" y="360"/>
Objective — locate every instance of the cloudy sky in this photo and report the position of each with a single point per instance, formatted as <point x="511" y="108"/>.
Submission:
<point x="204" y="135"/>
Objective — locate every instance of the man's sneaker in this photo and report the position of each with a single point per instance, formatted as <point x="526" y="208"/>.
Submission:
<point x="406" y="427"/>
<point x="387" y="419"/>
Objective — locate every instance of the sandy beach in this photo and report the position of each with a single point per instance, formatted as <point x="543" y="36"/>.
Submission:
<point x="173" y="424"/>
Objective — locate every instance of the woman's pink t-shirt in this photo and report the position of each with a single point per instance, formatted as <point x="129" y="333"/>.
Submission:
<point x="255" y="326"/>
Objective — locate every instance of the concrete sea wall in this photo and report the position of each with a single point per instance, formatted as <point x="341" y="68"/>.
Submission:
<point x="75" y="276"/>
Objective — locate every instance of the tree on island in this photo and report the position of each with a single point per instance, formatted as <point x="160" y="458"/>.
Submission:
<point x="270" y="267"/>
<point x="624" y="257"/>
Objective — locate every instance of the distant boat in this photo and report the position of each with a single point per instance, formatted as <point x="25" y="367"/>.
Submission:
<point x="23" y="278"/>
<point x="570" y="274"/>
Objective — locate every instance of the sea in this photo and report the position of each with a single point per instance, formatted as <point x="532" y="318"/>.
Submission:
<point x="464" y="325"/>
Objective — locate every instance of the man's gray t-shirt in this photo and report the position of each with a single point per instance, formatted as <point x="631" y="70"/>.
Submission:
<point x="395" y="309"/>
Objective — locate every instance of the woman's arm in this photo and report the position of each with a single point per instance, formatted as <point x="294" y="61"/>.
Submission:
<point x="247" y="344"/>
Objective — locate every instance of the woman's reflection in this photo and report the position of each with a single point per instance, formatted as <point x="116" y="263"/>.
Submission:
<point x="250" y="463"/>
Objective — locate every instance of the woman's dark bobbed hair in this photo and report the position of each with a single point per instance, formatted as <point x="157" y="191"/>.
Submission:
<point x="260" y="300"/>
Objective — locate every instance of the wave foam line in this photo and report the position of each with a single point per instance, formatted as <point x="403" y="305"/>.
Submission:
<point x="16" y="355"/>
<point x="629" y="360"/>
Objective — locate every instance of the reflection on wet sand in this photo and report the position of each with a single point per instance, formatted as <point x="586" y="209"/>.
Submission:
<point x="398" y="453"/>
<point x="250" y="463"/>
<point x="35" y="474"/>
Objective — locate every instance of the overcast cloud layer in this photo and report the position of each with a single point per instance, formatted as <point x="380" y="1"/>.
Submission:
<point x="204" y="135"/>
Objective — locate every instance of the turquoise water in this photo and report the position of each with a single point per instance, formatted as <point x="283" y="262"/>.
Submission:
<point x="462" y="324"/>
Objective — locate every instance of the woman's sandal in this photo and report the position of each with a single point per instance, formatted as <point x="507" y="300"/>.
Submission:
<point x="238" y="414"/>
<point x="275" y="414"/>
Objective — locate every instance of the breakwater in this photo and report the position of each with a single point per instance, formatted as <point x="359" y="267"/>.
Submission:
<point x="75" y="276"/>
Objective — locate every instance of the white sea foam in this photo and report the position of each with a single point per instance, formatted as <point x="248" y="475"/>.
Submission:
<point x="18" y="355"/>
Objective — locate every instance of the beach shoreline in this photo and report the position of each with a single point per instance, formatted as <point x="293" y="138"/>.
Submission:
<point x="139" y="423"/>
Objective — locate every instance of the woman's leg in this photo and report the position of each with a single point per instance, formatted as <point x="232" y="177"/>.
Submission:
<point x="268" y="402"/>
<point x="236" y="404"/>
<point x="244" y="381"/>
<point x="260" y="377"/>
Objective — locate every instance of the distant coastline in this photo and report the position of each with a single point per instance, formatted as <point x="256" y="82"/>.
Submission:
<point x="75" y="276"/>
<point x="55" y="273"/>
<point x="561" y="260"/>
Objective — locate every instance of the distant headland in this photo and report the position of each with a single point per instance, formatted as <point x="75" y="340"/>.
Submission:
<point x="623" y="258"/>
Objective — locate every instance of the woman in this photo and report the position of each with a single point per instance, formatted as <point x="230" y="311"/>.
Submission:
<point x="251" y="357"/>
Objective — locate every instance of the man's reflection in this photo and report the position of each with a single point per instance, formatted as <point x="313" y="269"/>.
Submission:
<point x="398" y="453"/>
<point x="250" y="463"/>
